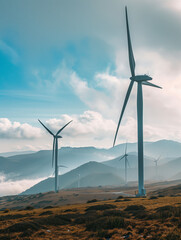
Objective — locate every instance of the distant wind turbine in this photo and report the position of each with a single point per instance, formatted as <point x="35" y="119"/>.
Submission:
<point x="126" y="163"/>
<point x="156" y="165"/>
<point x="55" y="151"/>
<point x="59" y="166"/>
<point x="141" y="80"/>
<point x="78" y="182"/>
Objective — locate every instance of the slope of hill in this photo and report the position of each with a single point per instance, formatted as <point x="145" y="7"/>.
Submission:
<point x="81" y="195"/>
<point x="98" y="179"/>
<point x="90" y="174"/>
<point x="169" y="191"/>
<point x="176" y="176"/>
<point x="132" y="159"/>
<point x="163" y="148"/>
<point x="9" y="154"/>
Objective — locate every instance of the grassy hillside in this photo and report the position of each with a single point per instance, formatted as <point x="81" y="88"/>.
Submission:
<point x="124" y="218"/>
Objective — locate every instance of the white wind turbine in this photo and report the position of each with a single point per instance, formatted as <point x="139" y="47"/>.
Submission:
<point x="156" y="166"/>
<point x="126" y="164"/>
<point x="140" y="80"/>
<point x="55" y="151"/>
<point x="78" y="182"/>
<point x="59" y="166"/>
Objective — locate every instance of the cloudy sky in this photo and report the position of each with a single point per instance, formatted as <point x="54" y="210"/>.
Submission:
<point x="67" y="59"/>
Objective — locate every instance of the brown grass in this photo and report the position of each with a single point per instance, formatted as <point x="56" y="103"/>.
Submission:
<point x="140" y="218"/>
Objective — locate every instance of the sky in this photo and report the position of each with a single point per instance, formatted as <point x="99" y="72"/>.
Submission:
<point x="65" y="60"/>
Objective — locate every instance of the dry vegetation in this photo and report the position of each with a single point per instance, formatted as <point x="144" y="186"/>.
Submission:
<point x="154" y="218"/>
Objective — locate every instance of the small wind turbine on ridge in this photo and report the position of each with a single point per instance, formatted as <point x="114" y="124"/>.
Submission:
<point x="126" y="163"/>
<point x="140" y="80"/>
<point x="156" y="165"/>
<point x="78" y="182"/>
<point x="58" y="180"/>
<point x="55" y="150"/>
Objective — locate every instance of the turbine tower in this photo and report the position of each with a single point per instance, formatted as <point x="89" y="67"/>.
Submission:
<point x="126" y="163"/>
<point x="55" y="151"/>
<point x="59" y="166"/>
<point x="140" y="80"/>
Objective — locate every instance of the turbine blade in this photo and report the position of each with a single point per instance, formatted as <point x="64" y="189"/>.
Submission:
<point x="150" y="84"/>
<point x="53" y="153"/>
<point x="126" y="148"/>
<point x="46" y="128"/>
<point x="124" y="106"/>
<point x="130" y="50"/>
<point x="122" y="157"/>
<point x="63" y="127"/>
<point x="63" y="166"/>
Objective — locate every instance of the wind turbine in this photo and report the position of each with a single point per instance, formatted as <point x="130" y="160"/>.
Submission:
<point x="59" y="166"/>
<point x="78" y="182"/>
<point x="126" y="163"/>
<point x="140" y="80"/>
<point x="156" y="165"/>
<point x="55" y="150"/>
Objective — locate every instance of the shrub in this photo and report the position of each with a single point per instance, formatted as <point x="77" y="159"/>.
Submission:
<point x="101" y="207"/>
<point x="70" y="210"/>
<point x="106" y="223"/>
<point x="160" y="195"/>
<point x="6" y="210"/>
<point x="87" y="217"/>
<point x="55" y="220"/>
<point x="127" y="200"/>
<point x="46" y="213"/>
<point x="153" y="197"/>
<point x="48" y="207"/>
<point x="21" y="227"/>
<point x="173" y="236"/>
<point x="104" y="234"/>
<point x="114" y="212"/>
<point x="92" y="201"/>
<point x="13" y="216"/>
<point x="135" y="208"/>
<point x="140" y="214"/>
<point x="29" y="208"/>
<point x="167" y="212"/>
<point x="120" y="197"/>
<point x="165" y="208"/>
<point x="6" y="238"/>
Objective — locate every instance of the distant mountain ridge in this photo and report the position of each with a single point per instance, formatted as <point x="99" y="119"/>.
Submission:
<point x="38" y="164"/>
<point x="9" y="154"/>
<point x="92" y="174"/>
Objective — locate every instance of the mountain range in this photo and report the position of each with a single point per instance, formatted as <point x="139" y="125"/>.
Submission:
<point x="92" y="174"/>
<point x="38" y="164"/>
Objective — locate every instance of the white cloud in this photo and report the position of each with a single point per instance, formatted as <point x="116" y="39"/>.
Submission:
<point x="90" y="124"/>
<point x="17" y="130"/>
<point x="106" y="94"/>
<point x="16" y="187"/>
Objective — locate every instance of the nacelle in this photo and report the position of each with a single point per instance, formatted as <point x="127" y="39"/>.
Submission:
<point x="140" y="78"/>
